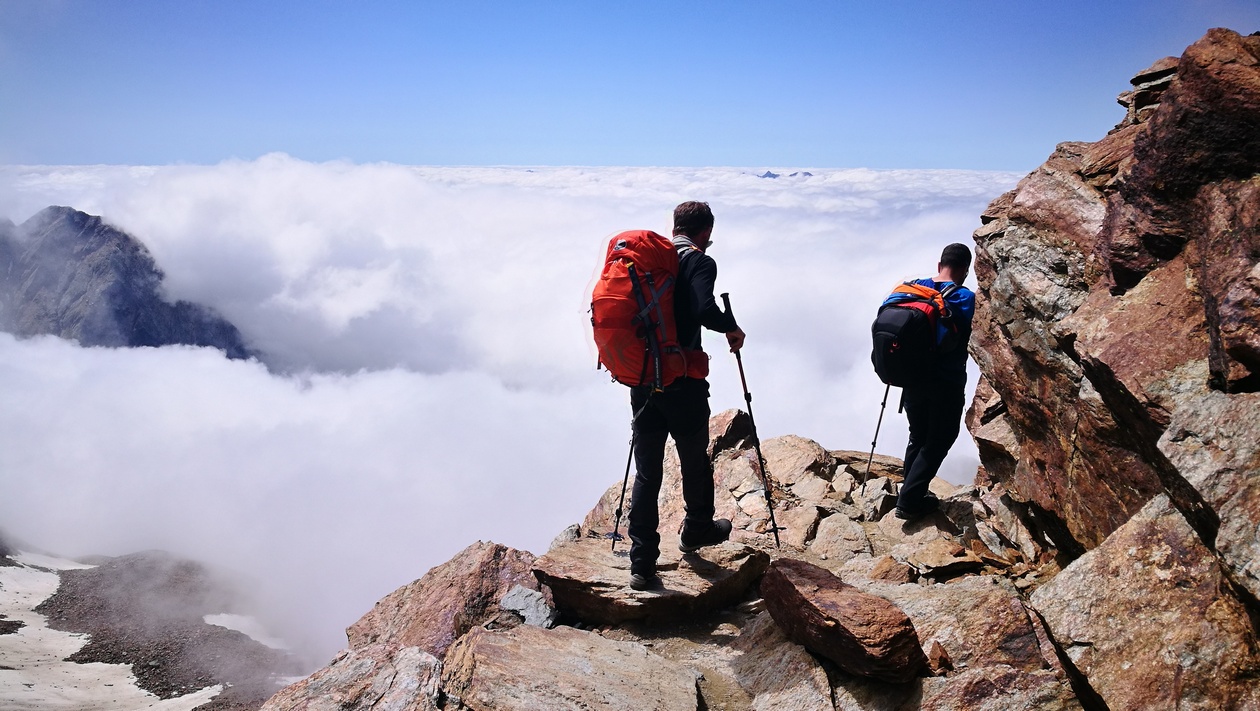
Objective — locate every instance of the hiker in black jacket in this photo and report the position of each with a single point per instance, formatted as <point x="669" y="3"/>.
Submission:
<point x="681" y="410"/>
<point x="934" y="406"/>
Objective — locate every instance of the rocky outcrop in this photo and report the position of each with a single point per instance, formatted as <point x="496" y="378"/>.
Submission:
<point x="1116" y="301"/>
<point x="68" y="274"/>
<point x="448" y="601"/>
<point x="862" y="634"/>
<point x="1116" y="330"/>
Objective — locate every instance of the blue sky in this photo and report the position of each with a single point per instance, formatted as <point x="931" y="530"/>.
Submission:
<point x="974" y="85"/>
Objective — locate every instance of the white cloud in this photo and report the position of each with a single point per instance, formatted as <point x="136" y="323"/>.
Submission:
<point x="433" y="322"/>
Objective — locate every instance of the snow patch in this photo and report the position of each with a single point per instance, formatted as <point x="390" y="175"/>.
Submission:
<point x="38" y="678"/>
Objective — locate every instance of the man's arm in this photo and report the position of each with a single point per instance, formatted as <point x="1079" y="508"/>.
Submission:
<point x="711" y="316"/>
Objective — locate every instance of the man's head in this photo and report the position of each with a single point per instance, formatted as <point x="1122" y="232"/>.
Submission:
<point x="695" y="220"/>
<point x="956" y="260"/>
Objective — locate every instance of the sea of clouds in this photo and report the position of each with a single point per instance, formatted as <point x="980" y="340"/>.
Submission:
<point x="428" y="378"/>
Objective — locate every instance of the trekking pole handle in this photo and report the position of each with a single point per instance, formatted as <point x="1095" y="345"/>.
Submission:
<point x="726" y="301"/>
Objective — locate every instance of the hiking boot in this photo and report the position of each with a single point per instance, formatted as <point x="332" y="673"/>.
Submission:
<point x="929" y="505"/>
<point x="717" y="533"/>
<point x="645" y="581"/>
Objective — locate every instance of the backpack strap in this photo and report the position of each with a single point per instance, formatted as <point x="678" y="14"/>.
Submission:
<point x="945" y="294"/>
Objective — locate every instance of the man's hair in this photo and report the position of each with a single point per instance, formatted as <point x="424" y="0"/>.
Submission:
<point x="692" y="218"/>
<point x="957" y="256"/>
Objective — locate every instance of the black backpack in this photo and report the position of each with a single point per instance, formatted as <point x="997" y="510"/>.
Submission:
<point x="906" y="335"/>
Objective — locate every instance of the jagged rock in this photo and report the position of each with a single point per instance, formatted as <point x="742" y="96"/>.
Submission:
<point x="800" y="523"/>
<point x="375" y="677"/>
<point x="1148" y="86"/>
<point x="861" y="633"/>
<point x="1147" y="619"/>
<point x="854" y="463"/>
<point x="589" y="581"/>
<point x="941" y="559"/>
<point x="839" y="539"/>
<point x="452" y="598"/>
<point x="531" y="605"/>
<point x="990" y="427"/>
<point x="843" y="483"/>
<point x="568" y="535"/>
<point x="533" y="668"/>
<point x="729" y="429"/>
<point x="1115" y="298"/>
<point x="876" y="499"/>
<point x="938" y="659"/>
<point x="792" y="460"/>
<point x="890" y="570"/>
<point x="68" y="274"/>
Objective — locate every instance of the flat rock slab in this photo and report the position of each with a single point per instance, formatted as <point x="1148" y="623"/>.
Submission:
<point x="590" y="581"/>
<point x="863" y="634"/>
<point x="564" y="668"/>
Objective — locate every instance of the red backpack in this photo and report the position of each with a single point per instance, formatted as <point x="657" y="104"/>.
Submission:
<point x="632" y="311"/>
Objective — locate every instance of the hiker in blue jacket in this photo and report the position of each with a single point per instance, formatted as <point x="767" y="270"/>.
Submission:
<point x="934" y="406"/>
<point x="681" y="410"/>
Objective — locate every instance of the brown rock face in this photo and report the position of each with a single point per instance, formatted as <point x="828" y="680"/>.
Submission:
<point x="1118" y="292"/>
<point x="452" y="598"/>
<point x="863" y="634"/>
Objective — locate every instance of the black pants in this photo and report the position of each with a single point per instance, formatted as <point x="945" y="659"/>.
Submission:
<point x="680" y="411"/>
<point x="935" y="415"/>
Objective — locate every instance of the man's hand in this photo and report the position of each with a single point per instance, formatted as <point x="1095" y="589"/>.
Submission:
<point x="735" y="339"/>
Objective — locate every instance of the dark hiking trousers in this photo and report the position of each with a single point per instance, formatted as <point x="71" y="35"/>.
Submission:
<point x="935" y="415"/>
<point x="680" y="411"/>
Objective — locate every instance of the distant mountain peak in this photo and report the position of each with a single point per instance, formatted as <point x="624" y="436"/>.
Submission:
<point x="66" y="273"/>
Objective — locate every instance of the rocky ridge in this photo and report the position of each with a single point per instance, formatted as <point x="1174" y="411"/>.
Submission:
<point x="926" y="611"/>
<point x="69" y="274"/>
<point x="1103" y="559"/>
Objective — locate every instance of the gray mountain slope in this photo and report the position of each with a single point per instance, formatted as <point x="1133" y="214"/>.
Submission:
<point x="66" y="273"/>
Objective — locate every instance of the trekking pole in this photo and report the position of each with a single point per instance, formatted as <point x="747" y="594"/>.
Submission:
<point x="761" y="460"/>
<point x="882" y="405"/>
<point x="624" y="480"/>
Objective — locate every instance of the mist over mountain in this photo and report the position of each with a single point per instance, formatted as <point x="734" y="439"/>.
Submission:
<point x="69" y="274"/>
